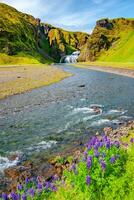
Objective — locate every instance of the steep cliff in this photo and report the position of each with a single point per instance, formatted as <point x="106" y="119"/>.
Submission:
<point x="24" y="35"/>
<point x="111" y="40"/>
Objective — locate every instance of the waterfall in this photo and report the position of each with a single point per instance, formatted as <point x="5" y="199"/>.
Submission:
<point x="70" y="58"/>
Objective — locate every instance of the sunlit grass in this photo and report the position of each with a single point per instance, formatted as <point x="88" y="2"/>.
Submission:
<point x="121" y="65"/>
<point x="20" y="59"/>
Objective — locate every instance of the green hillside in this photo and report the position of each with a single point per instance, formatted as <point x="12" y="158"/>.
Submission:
<point x="23" y="36"/>
<point x="122" y="51"/>
<point x="111" y="41"/>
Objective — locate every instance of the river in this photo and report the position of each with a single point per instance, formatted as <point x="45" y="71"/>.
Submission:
<point x="49" y="119"/>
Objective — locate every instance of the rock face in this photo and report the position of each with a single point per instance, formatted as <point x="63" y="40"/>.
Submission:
<point x="104" y="23"/>
<point x="23" y="34"/>
<point x="107" y="34"/>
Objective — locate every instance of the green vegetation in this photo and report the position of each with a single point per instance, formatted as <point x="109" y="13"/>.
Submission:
<point x="111" y="41"/>
<point x="104" y="172"/>
<point x="20" y="59"/>
<point x="35" y="41"/>
<point x="119" y="65"/>
<point x="122" y="50"/>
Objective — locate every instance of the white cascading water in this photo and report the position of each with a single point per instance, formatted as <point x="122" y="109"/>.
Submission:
<point x="70" y="58"/>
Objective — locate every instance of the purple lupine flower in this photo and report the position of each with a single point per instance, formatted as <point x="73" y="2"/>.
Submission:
<point x="88" y="164"/>
<point x="55" y="177"/>
<point x="96" y="146"/>
<point x="94" y="140"/>
<point x="112" y="159"/>
<point x="24" y="197"/>
<point x="4" y="196"/>
<point x="125" y="144"/>
<point x="105" y="138"/>
<point x="39" y="186"/>
<point x="89" y="147"/>
<point x="19" y="187"/>
<point x="103" y="155"/>
<point x="52" y="187"/>
<point x="103" y="164"/>
<point x="14" y="196"/>
<point x="101" y="144"/>
<point x="108" y="144"/>
<point x="117" y="144"/>
<point x="86" y="144"/>
<point x="89" y="158"/>
<point x="85" y="155"/>
<point x="132" y="140"/>
<point x="88" y="180"/>
<point x="96" y="153"/>
<point x="27" y="180"/>
<point x="31" y="192"/>
<point x="47" y="185"/>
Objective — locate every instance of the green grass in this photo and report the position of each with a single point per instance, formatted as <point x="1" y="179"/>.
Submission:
<point x="121" y="65"/>
<point x="9" y="60"/>
<point x="116" y="183"/>
<point x="22" y="58"/>
<point x="122" y="50"/>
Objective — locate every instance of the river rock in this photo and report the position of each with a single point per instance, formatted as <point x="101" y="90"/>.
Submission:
<point x="107" y="130"/>
<point x="12" y="173"/>
<point x="82" y="86"/>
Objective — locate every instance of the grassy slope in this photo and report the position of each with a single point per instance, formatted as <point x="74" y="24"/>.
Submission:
<point x="120" y="52"/>
<point x="16" y="36"/>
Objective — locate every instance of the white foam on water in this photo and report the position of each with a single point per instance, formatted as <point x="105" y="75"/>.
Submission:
<point x="83" y="99"/>
<point x="6" y="163"/>
<point x="100" y="122"/>
<point x="83" y="110"/>
<point x="43" y="145"/>
<point x="116" y="121"/>
<point x="69" y="106"/>
<point x="114" y="111"/>
<point x="88" y="111"/>
<point x="89" y="117"/>
<point x="72" y="123"/>
<point x="125" y="117"/>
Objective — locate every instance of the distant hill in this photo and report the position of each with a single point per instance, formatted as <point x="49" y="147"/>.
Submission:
<point x="111" y="40"/>
<point x="23" y="36"/>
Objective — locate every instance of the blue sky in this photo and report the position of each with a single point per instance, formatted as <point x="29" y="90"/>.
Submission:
<point x="75" y="15"/>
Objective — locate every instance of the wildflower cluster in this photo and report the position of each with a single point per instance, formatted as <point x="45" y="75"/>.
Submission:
<point x="100" y="174"/>
<point x="32" y="189"/>
<point x="103" y="161"/>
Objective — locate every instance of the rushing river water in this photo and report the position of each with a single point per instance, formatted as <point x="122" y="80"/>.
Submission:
<point x="48" y="119"/>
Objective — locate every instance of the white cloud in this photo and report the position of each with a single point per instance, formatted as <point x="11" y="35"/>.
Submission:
<point x="69" y="14"/>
